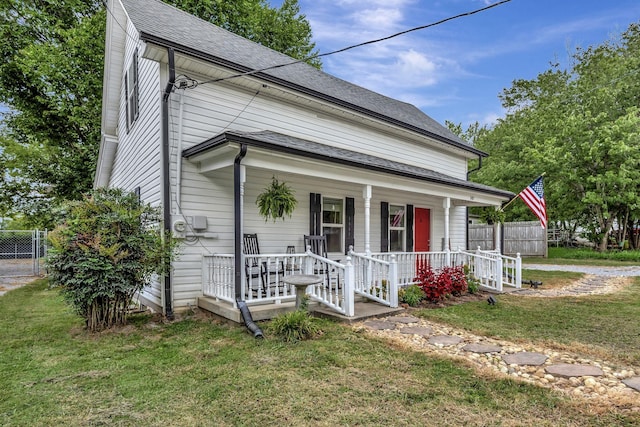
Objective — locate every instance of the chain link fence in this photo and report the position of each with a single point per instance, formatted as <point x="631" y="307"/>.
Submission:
<point x="22" y="252"/>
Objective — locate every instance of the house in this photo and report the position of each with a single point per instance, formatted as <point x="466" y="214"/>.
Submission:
<point x="198" y="121"/>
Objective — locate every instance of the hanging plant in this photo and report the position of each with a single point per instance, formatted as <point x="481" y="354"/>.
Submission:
<point x="276" y="201"/>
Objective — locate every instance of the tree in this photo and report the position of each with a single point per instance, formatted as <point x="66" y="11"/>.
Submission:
<point x="581" y="126"/>
<point x="51" y="70"/>
<point x="51" y="65"/>
<point x="107" y="249"/>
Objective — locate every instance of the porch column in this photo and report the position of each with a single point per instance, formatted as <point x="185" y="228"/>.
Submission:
<point x="366" y="194"/>
<point x="243" y="180"/>
<point x="497" y="232"/>
<point x="447" y="206"/>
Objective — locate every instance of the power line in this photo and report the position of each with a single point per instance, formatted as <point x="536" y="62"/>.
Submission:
<point x="319" y="55"/>
<point x="106" y="6"/>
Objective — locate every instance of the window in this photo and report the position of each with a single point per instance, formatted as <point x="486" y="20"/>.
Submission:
<point x="397" y="228"/>
<point x="131" y="91"/>
<point x="333" y="223"/>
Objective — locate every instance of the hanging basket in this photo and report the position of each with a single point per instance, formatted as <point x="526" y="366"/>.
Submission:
<point x="276" y="201"/>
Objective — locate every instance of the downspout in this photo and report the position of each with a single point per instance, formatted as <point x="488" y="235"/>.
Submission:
<point x="467" y="210"/>
<point x="237" y="207"/>
<point x="179" y="157"/>
<point x="237" y="215"/>
<point x="166" y="182"/>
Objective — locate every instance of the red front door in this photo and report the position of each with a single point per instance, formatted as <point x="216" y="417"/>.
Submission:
<point x="422" y="229"/>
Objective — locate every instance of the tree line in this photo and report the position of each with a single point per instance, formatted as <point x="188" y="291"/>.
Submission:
<point x="580" y="125"/>
<point x="51" y="69"/>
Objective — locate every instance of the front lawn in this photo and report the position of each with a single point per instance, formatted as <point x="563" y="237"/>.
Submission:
<point x="201" y="372"/>
<point x="606" y="326"/>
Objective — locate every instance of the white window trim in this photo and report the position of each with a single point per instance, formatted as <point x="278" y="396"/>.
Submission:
<point x="403" y="244"/>
<point x="132" y="91"/>
<point x="334" y="225"/>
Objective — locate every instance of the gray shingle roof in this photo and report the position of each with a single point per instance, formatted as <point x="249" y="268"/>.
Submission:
<point x="297" y="146"/>
<point x="163" y="24"/>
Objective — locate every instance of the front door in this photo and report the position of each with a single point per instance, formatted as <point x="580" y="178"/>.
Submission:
<point x="422" y="229"/>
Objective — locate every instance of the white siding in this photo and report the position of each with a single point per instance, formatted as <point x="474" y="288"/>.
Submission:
<point x="137" y="160"/>
<point x="211" y="108"/>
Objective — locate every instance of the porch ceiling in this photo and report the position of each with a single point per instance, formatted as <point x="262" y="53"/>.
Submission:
<point x="271" y="150"/>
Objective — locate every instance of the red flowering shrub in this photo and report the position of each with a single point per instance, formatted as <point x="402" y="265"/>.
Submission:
<point x="456" y="280"/>
<point x="438" y="285"/>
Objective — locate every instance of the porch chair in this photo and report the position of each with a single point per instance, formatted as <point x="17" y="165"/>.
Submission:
<point x="318" y="246"/>
<point x="255" y="269"/>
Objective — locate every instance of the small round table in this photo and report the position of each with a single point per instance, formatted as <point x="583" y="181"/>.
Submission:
<point x="301" y="282"/>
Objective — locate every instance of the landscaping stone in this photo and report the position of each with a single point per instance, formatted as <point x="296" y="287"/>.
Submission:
<point x="379" y="325"/>
<point x="634" y="383"/>
<point x="417" y="330"/>
<point x="482" y="348"/>
<point x="403" y="319"/>
<point x="567" y="370"/>
<point x="445" y="340"/>
<point x="525" y="358"/>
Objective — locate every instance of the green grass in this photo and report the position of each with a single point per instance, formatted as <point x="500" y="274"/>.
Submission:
<point x="551" y="279"/>
<point x="606" y="326"/>
<point x="573" y="256"/>
<point x="198" y="371"/>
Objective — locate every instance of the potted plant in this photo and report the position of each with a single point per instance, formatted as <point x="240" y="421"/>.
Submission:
<point x="276" y="201"/>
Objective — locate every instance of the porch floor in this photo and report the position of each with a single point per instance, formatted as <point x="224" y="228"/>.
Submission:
<point x="363" y="310"/>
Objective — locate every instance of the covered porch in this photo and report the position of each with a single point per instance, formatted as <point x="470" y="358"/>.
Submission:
<point x="377" y="204"/>
<point x="376" y="277"/>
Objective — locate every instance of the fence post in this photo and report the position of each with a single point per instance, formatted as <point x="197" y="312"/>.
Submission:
<point x="348" y="292"/>
<point x="518" y="271"/>
<point x="393" y="282"/>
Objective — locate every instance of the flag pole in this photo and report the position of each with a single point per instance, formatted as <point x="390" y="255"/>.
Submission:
<point x="511" y="201"/>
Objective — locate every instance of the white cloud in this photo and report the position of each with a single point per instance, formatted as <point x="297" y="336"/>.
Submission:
<point x="382" y="19"/>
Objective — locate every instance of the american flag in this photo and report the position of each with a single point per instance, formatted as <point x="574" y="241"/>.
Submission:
<point x="533" y="196"/>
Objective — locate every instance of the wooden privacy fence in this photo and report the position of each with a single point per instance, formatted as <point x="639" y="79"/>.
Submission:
<point x="526" y="238"/>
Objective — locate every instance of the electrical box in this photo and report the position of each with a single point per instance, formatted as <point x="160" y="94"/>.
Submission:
<point x="199" y="223"/>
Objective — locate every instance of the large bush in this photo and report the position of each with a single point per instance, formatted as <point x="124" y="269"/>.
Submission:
<point x="107" y="249"/>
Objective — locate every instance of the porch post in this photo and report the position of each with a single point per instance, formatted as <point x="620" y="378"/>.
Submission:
<point x="498" y="236"/>
<point x="447" y="205"/>
<point x="349" y="288"/>
<point x="393" y="282"/>
<point x="366" y="194"/>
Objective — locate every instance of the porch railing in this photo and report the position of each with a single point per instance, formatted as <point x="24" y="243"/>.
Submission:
<point x="511" y="267"/>
<point x="376" y="279"/>
<point x="336" y="289"/>
<point x="263" y="279"/>
<point x="376" y="276"/>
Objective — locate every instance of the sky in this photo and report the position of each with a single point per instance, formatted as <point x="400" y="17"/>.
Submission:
<point x="455" y="71"/>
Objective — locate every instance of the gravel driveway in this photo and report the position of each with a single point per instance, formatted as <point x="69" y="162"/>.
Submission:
<point x="631" y="270"/>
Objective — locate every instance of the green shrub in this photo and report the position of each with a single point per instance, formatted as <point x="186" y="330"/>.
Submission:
<point x="294" y="326"/>
<point x="473" y="284"/>
<point x="411" y="295"/>
<point x="108" y="248"/>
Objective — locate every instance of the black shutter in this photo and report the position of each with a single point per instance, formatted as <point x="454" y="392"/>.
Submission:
<point x="409" y="228"/>
<point x="315" y="214"/>
<point x="350" y="232"/>
<point x="384" y="227"/>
